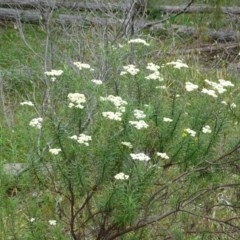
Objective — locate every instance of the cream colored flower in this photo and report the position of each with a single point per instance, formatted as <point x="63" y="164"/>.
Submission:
<point x="138" y="40"/>
<point x="121" y="176"/>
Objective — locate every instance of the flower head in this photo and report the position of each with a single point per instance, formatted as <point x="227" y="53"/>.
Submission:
<point x="190" y="86"/>
<point x="32" y="219"/>
<point x="76" y="100"/>
<point x="36" y="123"/>
<point x="127" y="144"/>
<point x="139" y="124"/>
<point x="161" y="87"/>
<point x="206" y="129"/>
<point x="139" y="114"/>
<point x="138" y="40"/>
<point x="154" y="76"/>
<point x="81" y="65"/>
<point x="178" y="64"/>
<point x="216" y="86"/>
<point x="28" y="103"/>
<point x="140" y="157"/>
<point x="210" y="92"/>
<point x="152" y="67"/>
<point x="165" y="119"/>
<point x="82" y="139"/>
<point x="97" y="82"/>
<point x="52" y="222"/>
<point x="131" y="69"/>
<point x="162" y="155"/>
<point x="189" y="131"/>
<point x="55" y="151"/>
<point x="233" y="105"/>
<point x="54" y="73"/>
<point x="116" y="116"/>
<point x="121" y="176"/>
<point x="225" y="83"/>
<point x="117" y="101"/>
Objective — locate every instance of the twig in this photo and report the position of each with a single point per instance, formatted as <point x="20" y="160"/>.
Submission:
<point x="147" y="25"/>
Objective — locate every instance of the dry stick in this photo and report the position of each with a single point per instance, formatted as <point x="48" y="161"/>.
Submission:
<point x="209" y="48"/>
<point x="18" y="19"/>
<point x="35" y="17"/>
<point x="128" y="23"/>
<point x="82" y="6"/>
<point x="147" y="25"/>
<point x="201" y="8"/>
<point x="3" y="98"/>
<point x="143" y="223"/>
<point x="212" y="219"/>
<point x="111" y="7"/>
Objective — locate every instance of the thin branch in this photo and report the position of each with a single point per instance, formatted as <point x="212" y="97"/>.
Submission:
<point x="212" y="219"/>
<point x="147" y="25"/>
<point x="143" y="223"/>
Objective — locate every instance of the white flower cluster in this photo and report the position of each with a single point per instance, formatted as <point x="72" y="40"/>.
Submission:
<point x="190" y="86"/>
<point x="233" y="105"/>
<point x="52" y="222"/>
<point x="165" y="119"/>
<point x="54" y="73"/>
<point x="161" y="87"/>
<point x="127" y="144"/>
<point x="81" y="65"/>
<point x="209" y="92"/>
<point x="155" y="75"/>
<point x="55" y="151"/>
<point x="225" y="83"/>
<point x="138" y="40"/>
<point x="32" y="219"/>
<point x="139" y="114"/>
<point x="139" y="124"/>
<point x="97" y="81"/>
<point x="152" y="67"/>
<point x="162" y="155"/>
<point x="116" y="116"/>
<point x="117" y="101"/>
<point x="28" y="103"/>
<point x="36" y="123"/>
<point x="189" y="131"/>
<point x="121" y="176"/>
<point x="220" y="87"/>
<point x="140" y="157"/>
<point x="76" y="100"/>
<point x="178" y="64"/>
<point x="82" y="139"/>
<point x="206" y="129"/>
<point x="216" y="86"/>
<point x="131" y="69"/>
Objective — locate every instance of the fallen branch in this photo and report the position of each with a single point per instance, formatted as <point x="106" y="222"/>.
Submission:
<point x="82" y="6"/>
<point x="64" y="19"/>
<point x="93" y="6"/>
<point x="210" y="34"/>
<point x="8" y="14"/>
<point x="209" y="49"/>
<point x="35" y="17"/>
<point x="196" y="9"/>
